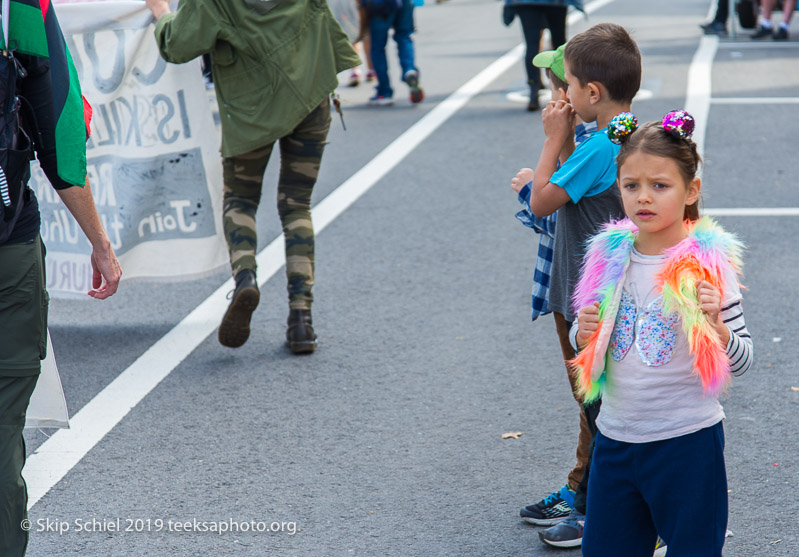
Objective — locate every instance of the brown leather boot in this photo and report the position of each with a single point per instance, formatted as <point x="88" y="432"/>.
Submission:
<point x="300" y="336"/>
<point x="235" y="327"/>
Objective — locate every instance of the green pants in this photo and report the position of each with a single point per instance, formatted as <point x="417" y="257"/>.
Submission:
<point x="300" y="157"/>
<point x="15" y="393"/>
<point x="23" y="343"/>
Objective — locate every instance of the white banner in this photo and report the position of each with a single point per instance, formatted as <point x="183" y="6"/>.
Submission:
<point x="153" y="159"/>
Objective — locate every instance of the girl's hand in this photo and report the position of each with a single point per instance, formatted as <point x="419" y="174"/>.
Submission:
<point x="522" y="177"/>
<point x="587" y="323"/>
<point x="709" y="299"/>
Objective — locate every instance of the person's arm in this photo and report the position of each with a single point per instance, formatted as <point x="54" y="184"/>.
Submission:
<point x="728" y="321"/>
<point x="587" y="325"/>
<point x="106" y="271"/>
<point x="557" y="118"/>
<point x="159" y="8"/>
<point x="186" y="34"/>
<point x="36" y="88"/>
<point x="567" y="149"/>
<point x="740" y="350"/>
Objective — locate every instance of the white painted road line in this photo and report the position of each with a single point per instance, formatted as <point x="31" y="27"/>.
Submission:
<point x="753" y="212"/>
<point x="699" y="87"/>
<point x="755" y="100"/>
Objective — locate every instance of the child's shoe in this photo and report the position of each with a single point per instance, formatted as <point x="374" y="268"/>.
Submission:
<point x="567" y="533"/>
<point x="411" y="77"/>
<point x="551" y="509"/>
<point x="371" y="75"/>
<point x="355" y="78"/>
<point x="380" y="100"/>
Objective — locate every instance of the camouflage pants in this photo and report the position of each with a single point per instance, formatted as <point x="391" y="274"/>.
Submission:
<point x="300" y="157"/>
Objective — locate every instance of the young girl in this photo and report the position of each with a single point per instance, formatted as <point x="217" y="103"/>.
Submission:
<point x="661" y="330"/>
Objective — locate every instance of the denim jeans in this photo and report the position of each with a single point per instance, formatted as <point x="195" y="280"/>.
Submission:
<point x="402" y="23"/>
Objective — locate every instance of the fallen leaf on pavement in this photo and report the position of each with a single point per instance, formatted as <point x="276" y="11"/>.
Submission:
<point x="795" y="388"/>
<point x="512" y="435"/>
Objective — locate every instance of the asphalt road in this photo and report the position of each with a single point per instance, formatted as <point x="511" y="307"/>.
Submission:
<point x="387" y="441"/>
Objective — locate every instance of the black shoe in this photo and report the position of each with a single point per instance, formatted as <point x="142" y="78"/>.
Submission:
<point x="533" y="105"/>
<point x="551" y="509"/>
<point x="762" y="33"/>
<point x="235" y="327"/>
<point x="714" y="28"/>
<point x="781" y="34"/>
<point x="300" y="336"/>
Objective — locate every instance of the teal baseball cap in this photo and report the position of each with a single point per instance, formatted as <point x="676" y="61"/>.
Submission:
<point x="552" y="59"/>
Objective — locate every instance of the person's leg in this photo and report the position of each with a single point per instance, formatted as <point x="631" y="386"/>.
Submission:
<point x="533" y="22"/>
<point x="403" y="29"/>
<point x="367" y="51"/>
<point x="15" y="393"/>
<point x="242" y="177"/>
<point x="300" y="158"/>
<point x="23" y="313"/>
<point x="588" y="413"/>
<point x="378" y="33"/>
<point x="688" y="495"/>
<point x="788" y="7"/>
<point x="765" y="28"/>
<point x="722" y="11"/>
<point x="556" y="23"/>
<point x="584" y="440"/>
<point x="766" y="9"/>
<point x="618" y="521"/>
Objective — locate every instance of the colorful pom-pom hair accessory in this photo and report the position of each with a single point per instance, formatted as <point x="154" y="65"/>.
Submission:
<point x="621" y="126"/>
<point x="679" y="123"/>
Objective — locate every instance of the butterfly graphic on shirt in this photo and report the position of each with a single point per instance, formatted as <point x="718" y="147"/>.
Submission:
<point x="653" y="332"/>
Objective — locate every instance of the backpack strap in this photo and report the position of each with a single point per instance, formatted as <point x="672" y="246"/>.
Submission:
<point x="6" y="9"/>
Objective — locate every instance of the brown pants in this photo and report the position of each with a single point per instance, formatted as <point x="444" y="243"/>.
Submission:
<point x="584" y="440"/>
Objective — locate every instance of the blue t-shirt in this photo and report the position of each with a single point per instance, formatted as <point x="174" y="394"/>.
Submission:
<point x="591" y="169"/>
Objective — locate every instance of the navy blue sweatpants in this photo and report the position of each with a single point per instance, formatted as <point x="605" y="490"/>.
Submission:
<point x="676" y="488"/>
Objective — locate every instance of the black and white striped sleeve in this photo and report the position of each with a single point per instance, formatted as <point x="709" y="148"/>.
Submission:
<point x="739" y="348"/>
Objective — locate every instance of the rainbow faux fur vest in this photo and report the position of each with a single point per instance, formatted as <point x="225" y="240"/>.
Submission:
<point x="703" y="255"/>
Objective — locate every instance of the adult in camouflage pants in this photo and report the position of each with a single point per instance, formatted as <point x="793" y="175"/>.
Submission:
<point x="300" y="158"/>
<point x="275" y="64"/>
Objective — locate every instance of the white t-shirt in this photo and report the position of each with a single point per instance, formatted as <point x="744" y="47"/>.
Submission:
<point x="652" y="392"/>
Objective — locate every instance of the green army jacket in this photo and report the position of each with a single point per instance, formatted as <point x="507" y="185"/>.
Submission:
<point x="274" y="61"/>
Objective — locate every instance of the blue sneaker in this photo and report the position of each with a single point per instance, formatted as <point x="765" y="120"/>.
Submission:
<point x="566" y="533"/>
<point x="551" y="509"/>
<point x="380" y="100"/>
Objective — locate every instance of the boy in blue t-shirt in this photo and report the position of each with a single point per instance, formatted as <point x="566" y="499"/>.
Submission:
<point x="603" y="71"/>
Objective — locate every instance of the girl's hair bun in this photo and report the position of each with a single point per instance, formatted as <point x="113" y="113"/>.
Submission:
<point x="621" y="126"/>
<point x="679" y="124"/>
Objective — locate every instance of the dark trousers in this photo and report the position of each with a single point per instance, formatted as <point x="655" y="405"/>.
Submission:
<point x="722" y="11"/>
<point x="583" y="452"/>
<point x="534" y="20"/>
<point x="15" y="393"/>
<point x="676" y="487"/>
<point x="590" y="412"/>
